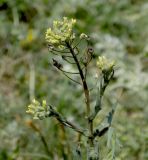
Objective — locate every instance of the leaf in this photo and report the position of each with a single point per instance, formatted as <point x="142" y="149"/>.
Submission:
<point x="77" y="153"/>
<point x="113" y="148"/>
<point x="109" y="137"/>
<point x="111" y="113"/>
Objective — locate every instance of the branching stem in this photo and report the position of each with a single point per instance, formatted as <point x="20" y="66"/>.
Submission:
<point x="86" y="92"/>
<point x="64" y="121"/>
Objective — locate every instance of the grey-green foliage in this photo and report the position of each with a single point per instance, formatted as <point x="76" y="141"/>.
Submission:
<point x="119" y="29"/>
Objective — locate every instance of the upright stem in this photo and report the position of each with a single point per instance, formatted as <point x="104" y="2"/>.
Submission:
<point x="86" y="92"/>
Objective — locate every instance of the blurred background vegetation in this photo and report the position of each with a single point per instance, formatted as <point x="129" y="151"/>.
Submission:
<point x="119" y="30"/>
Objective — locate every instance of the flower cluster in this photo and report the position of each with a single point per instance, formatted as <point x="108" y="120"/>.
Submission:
<point x="37" y="110"/>
<point x="61" y="32"/>
<point x="104" y="64"/>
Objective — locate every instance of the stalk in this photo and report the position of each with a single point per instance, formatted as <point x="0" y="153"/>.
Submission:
<point x="87" y="98"/>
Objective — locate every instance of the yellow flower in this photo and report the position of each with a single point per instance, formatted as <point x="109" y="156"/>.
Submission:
<point x="104" y="64"/>
<point x="37" y="110"/>
<point x="61" y="32"/>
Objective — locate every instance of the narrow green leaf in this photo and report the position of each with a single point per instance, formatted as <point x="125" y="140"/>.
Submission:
<point x="109" y="136"/>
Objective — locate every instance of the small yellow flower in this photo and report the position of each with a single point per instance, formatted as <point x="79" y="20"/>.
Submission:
<point x="104" y="64"/>
<point x="62" y="31"/>
<point x="37" y="110"/>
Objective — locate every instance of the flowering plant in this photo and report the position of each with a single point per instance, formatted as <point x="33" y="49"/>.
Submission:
<point x="62" y="42"/>
<point x="60" y="33"/>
